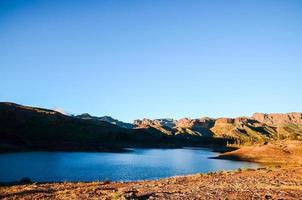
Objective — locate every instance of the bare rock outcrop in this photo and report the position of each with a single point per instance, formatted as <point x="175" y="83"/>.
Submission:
<point x="166" y="126"/>
<point x="276" y="119"/>
<point x="195" y="123"/>
<point x="170" y="123"/>
<point x="225" y="121"/>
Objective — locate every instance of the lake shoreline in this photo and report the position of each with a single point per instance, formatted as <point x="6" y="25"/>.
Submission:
<point x="196" y="156"/>
<point x="214" y="147"/>
<point x="225" y="153"/>
<point x="268" y="182"/>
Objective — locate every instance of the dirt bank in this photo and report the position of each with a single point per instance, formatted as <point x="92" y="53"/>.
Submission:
<point x="278" y="152"/>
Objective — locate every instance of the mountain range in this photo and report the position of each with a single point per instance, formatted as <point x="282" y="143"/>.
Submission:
<point x="24" y="128"/>
<point x="255" y="129"/>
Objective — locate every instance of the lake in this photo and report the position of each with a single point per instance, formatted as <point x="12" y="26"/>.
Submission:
<point x="136" y="165"/>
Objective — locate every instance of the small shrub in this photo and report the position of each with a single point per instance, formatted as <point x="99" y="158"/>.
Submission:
<point x="106" y="181"/>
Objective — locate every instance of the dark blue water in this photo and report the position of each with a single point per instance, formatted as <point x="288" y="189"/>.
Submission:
<point x="137" y="165"/>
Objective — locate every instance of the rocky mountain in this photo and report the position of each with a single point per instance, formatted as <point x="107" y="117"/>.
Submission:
<point x="243" y="130"/>
<point x="29" y="128"/>
<point x="24" y="128"/>
<point x="106" y="119"/>
<point x="163" y="125"/>
<point x="259" y="128"/>
<point x="197" y="127"/>
<point x="276" y="119"/>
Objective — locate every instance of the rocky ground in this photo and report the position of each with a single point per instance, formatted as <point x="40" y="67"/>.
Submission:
<point x="262" y="183"/>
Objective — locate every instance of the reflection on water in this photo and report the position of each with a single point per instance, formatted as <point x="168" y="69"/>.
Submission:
<point x="137" y="165"/>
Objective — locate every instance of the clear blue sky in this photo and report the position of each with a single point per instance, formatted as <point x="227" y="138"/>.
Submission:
<point x="166" y="58"/>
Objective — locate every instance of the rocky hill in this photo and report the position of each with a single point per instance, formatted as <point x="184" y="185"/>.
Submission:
<point x="276" y="119"/>
<point x="29" y="128"/>
<point x="24" y="128"/>
<point x="185" y="126"/>
<point x="260" y="128"/>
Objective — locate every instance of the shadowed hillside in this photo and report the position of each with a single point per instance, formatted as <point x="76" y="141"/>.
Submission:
<point x="24" y="128"/>
<point x="28" y="128"/>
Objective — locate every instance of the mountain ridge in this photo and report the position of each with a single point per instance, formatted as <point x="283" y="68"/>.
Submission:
<point x="108" y="119"/>
<point x="33" y="128"/>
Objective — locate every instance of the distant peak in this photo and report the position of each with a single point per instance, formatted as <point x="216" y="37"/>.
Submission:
<point x="84" y="115"/>
<point x="62" y="111"/>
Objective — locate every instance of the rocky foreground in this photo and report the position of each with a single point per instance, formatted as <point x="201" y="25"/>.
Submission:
<point x="262" y="183"/>
<point x="281" y="179"/>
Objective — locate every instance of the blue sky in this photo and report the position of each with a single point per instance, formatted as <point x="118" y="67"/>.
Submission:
<point x="134" y="58"/>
